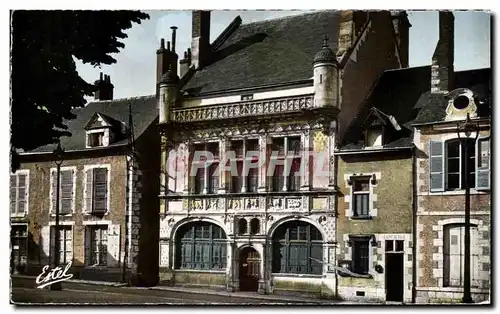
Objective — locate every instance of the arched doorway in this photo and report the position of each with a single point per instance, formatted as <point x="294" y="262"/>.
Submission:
<point x="249" y="269"/>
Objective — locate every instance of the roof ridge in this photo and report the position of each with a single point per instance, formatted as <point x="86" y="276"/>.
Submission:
<point x="121" y="99"/>
<point x="283" y="17"/>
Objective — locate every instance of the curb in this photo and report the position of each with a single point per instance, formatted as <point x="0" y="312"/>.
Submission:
<point x="87" y="282"/>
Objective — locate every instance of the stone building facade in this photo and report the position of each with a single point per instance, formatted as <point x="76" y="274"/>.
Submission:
<point x="253" y="95"/>
<point x="441" y="160"/>
<point x="108" y="209"/>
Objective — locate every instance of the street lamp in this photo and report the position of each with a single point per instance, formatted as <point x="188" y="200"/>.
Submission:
<point x="59" y="158"/>
<point x="467" y="128"/>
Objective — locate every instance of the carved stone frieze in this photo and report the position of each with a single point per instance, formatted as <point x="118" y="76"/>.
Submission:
<point x="243" y="109"/>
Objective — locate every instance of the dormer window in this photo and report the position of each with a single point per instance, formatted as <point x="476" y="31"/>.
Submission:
<point x="95" y="139"/>
<point x="102" y="130"/>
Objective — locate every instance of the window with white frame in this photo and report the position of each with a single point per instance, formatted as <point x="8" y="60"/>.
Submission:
<point x="448" y="164"/>
<point x="98" y="236"/>
<point x="361" y="198"/>
<point x="96" y="190"/>
<point x="66" y="191"/>
<point x="65" y="243"/>
<point x="454" y="255"/>
<point x="95" y="139"/>
<point x="19" y="193"/>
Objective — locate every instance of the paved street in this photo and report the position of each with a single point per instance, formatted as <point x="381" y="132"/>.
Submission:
<point x="24" y="291"/>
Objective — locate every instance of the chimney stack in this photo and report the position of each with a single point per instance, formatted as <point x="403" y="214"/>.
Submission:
<point x="185" y="63"/>
<point x="104" y="88"/>
<point x="351" y="23"/>
<point x="165" y="58"/>
<point x="443" y="58"/>
<point x="174" y="29"/>
<point x="200" y="35"/>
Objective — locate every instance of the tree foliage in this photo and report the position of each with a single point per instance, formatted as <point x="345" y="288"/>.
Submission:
<point x="45" y="84"/>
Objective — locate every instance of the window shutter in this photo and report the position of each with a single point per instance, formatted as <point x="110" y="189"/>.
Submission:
<point x="483" y="164"/>
<point x="13" y="193"/>
<point x="66" y="196"/>
<point x="100" y="189"/>
<point x="113" y="246"/>
<point x="45" y="240"/>
<point x="88" y="245"/>
<point x="436" y="150"/>
<point x="21" y="193"/>
<point x="53" y="191"/>
<point x="52" y="243"/>
<point x="89" y="191"/>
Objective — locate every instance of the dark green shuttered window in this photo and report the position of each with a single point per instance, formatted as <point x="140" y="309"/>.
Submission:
<point x="293" y="243"/>
<point x="200" y="246"/>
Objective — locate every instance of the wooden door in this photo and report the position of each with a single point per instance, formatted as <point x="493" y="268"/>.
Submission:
<point x="249" y="269"/>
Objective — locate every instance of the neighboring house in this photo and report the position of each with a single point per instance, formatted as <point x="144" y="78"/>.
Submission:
<point x="262" y="91"/>
<point x="375" y="204"/>
<point x="440" y="194"/>
<point x="108" y="193"/>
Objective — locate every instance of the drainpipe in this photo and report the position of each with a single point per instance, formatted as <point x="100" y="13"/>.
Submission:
<point x="414" y="227"/>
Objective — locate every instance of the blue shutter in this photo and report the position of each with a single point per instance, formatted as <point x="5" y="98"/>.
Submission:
<point x="483" y="160"/>
<point x="436" y="166"/>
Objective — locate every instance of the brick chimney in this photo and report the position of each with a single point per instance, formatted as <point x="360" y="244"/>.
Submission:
<point x="443" y="57"/>
<point x="104" y="89"/>
<point x="402" y="30"/>
<point x="200" y="45"/>
<point x="166" y="58"/>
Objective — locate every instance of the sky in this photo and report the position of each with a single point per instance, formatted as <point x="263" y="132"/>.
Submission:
<point x="134" y="74"/>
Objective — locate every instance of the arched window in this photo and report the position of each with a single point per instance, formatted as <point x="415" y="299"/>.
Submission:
<point x="254" y="226"/>
<point x="293" y="245"/>
<point x="200" y="245"/>
<point x="242" y="226"/>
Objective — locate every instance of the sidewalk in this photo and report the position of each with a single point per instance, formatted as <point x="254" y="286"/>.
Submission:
<point x="270" y="298"/>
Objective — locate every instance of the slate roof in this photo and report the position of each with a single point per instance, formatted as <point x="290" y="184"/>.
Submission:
<point x="394" y="94"/>
<point x="143" y="110"/>
<point x="268" y="52"/>
<point x="433" y="106"/>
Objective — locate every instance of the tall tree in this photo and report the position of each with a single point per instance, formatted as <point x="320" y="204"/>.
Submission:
<point x="45" y="84"/>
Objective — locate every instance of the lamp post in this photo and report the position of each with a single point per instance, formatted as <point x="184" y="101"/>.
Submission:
<point x="467" y="128"/>
<point x="59" y="158"/>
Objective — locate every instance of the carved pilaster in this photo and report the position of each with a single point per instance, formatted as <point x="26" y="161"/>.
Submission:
<point x="306" y="157"/>
<point x="264" y="142"/>
<point x="332" y="132"/>
<point x="224" y="147"/>
<point x="188" y="158"/>
<point x="163" y="166"/>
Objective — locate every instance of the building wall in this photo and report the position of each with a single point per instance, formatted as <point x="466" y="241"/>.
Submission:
<point x="38" y="217"/>
<point x="391" y="211"/>
<point x="435" y="211"/>
<point x="225" y="209"/>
